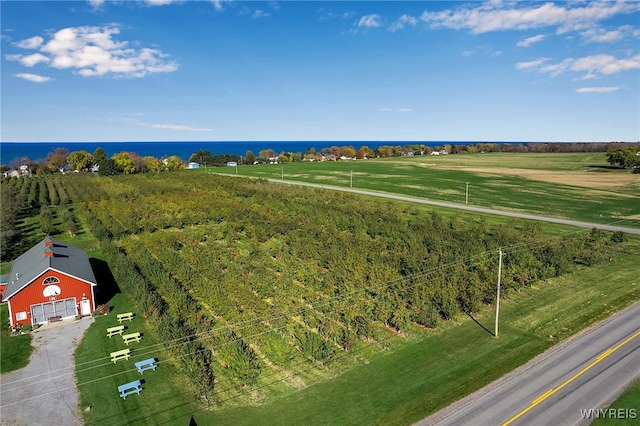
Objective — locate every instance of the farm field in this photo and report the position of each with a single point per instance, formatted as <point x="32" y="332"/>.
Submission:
<point x="580" y="186"/>
<point x="268" y="304"/>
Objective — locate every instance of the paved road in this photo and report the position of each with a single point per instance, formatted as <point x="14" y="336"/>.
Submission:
<point x="586" y="372"/>
<point x="464" y="207"/>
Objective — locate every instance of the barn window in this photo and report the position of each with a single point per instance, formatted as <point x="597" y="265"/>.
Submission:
<point x="50" y="280"/>
<point x="21" y="316"/>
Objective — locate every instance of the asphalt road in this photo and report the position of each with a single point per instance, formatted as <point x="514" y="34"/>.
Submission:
<point x="586" y="372"/>
<point x="589" y="225"/>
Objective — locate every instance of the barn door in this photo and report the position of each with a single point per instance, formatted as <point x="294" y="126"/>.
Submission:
<point x="59" y="308"/>
<point x="37" y="314"/>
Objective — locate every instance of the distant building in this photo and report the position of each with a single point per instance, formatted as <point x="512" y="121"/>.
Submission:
<point x="232" y="163"/>
<point x="193" y="165"/>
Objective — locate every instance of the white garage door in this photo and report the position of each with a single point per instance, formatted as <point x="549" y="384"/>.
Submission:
<point x="60" y="308"/>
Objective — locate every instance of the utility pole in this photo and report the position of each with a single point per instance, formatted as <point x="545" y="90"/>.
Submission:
<point x="498" y="295"/>
<point x="466" y="198"/>
<point x="282" y="172"/>
<point x="351" y="182"/>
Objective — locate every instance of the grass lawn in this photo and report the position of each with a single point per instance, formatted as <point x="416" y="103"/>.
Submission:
<point x="629" y="403"/>
<point x="14" y="350"/>
<point x="577" y="186"/>
<point x="98" y="378"/>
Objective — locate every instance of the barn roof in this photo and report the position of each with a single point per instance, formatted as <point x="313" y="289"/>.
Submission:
<point x="48" y="254"/>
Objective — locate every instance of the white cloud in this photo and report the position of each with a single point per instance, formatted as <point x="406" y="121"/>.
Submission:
<point x="593" y="66"/>
<point x="370" y="21"/>
<point x="176" y="127"/>
<point x="501" y="15"/>
<point x="258" y="13"/>
<point x="92" y="51"/>
<point x="96" y="4"/>
<point x="600" y="35"/>
<point x="402" y="21"/>
<point x="598" y="89"/>
<point x="30" y="43"/>
<point x="395" y="110"/>
<point x="482" y="50"/>
<point x="32" y="77"/>
<point x="159" y="2"/>
<point x="530" y="40"/>
<point x="29" y="60"/>
<point x="531" y="64"/>
<point x="329" y="15"/>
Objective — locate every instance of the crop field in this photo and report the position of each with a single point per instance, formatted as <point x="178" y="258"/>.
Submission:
<point x="271" y="304"/>
<point x="579" y="186"/>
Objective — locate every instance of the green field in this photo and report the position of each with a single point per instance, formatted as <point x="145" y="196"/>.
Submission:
<point x="578" y="186"/>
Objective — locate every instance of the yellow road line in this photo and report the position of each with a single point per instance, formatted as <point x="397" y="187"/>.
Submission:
<point x="550" y="392"/>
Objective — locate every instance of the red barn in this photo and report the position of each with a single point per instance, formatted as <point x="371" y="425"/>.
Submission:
<point x="50" y="281"/>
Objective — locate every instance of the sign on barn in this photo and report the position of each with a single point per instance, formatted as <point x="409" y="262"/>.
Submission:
<point x="49" y="282"/>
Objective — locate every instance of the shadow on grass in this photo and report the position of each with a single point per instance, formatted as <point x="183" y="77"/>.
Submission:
<point x="107" y="286"/>
<point x="481" y="326"/>
<point x="602" y="167"/>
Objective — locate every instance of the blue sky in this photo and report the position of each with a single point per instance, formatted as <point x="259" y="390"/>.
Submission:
<point x="302" y="70"/>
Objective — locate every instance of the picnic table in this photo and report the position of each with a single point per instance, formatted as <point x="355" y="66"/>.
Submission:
<point x="112" y="331"/>
<point x="127" y="316"/>
<point x="147" y="364"/>
<point x="118" y="355"/>
<point x="129" y="388"/>
<point x="128" y="338"/>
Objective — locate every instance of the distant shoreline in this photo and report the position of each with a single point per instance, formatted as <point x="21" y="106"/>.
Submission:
<point x="38" y="151"/>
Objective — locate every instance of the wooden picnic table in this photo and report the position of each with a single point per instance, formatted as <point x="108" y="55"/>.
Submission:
<point x="112" y="331"/>
<point x="118" y="355"/>
<point x="129" y="388"/>
<point x="147" y="364"/>
<point x="127" y="316"/>
<point x="128" y="338"/>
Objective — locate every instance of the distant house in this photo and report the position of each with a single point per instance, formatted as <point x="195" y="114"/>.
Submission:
<point x="193" y="165"/>
<point x="232" y="163"/>
<point x="50" y="281"/>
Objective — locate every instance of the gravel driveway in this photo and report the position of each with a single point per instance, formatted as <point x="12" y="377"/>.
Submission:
<point x="44" y="392"/>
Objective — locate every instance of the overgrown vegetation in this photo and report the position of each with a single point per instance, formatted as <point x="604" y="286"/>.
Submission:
<point x="267" y="276"/>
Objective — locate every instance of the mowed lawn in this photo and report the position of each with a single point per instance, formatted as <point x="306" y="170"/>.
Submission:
<point x="578" y="186"/>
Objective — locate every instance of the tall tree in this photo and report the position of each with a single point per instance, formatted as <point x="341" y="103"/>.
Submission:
<point x="80" y="160"/>
<point x="99" y="155"/>
<point x="174" y="163"/>
<point x="57" y="159"/>
<point x="124" y="161"/>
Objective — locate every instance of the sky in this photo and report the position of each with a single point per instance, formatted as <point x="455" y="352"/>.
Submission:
<point x="164" y="70"/>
